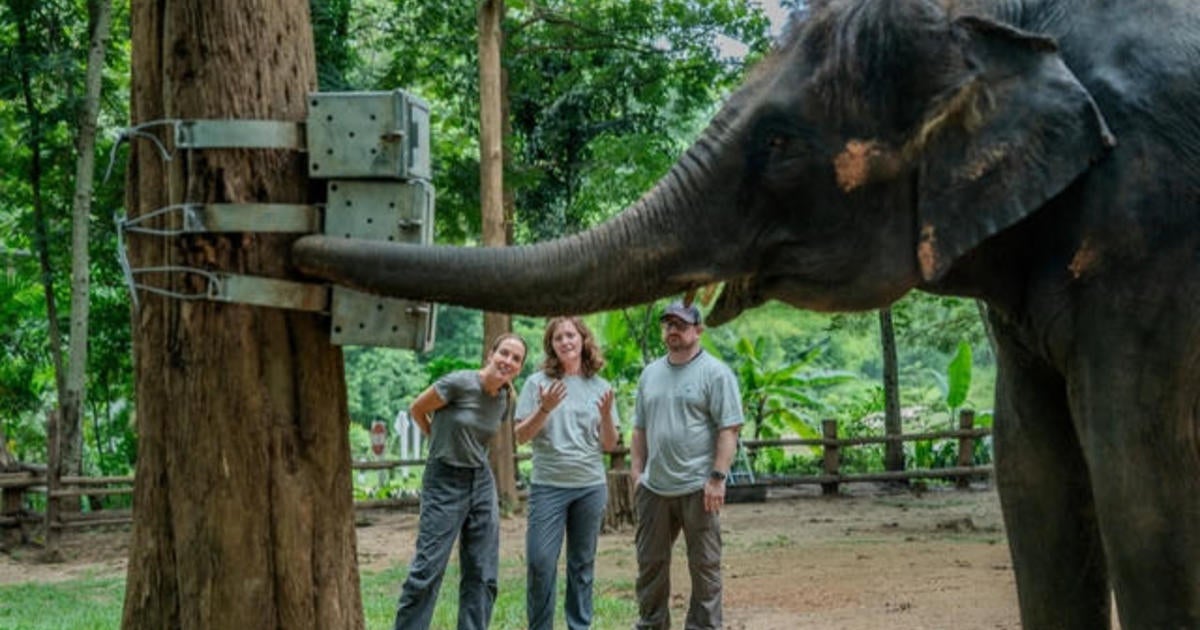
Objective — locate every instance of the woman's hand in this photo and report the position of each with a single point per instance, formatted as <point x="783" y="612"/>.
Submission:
<point x="550" y="397"/>
<point x="604" y="405"/>
<point x="608" y="430"/>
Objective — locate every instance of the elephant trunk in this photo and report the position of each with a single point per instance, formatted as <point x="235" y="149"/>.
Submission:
<point x="664" y="244"/>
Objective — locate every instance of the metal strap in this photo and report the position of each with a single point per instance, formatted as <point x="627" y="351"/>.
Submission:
<point x="239" y="134"/>
<point x="298" y="296"/>
<point x="232" y="217"/>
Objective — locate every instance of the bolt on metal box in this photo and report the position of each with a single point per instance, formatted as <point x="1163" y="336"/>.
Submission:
<point x="368" y="135"/>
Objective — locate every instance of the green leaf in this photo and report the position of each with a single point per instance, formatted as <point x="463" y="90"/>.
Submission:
<point x="959" y="376"/>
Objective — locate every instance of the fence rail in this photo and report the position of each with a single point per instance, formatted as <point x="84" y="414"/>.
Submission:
<point x="14" y="485"/>
<point x="832" y="445"/>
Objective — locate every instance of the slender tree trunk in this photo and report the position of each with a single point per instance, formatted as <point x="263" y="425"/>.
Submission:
<point x="491" y="193"/>
<point x="61" y="432"/>
<point x="243" y="509"/>
<point x="71" y="453"/>
<point x="894" y="451"/>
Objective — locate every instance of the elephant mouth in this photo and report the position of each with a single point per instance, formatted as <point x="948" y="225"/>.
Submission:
<point x="737" y="295"/>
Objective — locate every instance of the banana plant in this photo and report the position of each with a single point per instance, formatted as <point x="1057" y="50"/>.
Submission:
<point x="783" y="398"/>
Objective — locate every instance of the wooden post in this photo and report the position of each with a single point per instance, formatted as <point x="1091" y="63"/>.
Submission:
<point x="620" y="509"/>
<point x="52" y="485"/>
<point x="11" y="501"/>
<point x="966" y="446"/>
<point x="832" y="455"/>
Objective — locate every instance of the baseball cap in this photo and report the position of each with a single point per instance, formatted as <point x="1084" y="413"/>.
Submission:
<point x="688" y="313"/>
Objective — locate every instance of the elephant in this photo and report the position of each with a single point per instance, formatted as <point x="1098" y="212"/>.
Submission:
<point x="1042" y="156"/>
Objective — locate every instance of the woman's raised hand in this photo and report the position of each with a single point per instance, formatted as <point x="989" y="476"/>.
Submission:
<point x="549" y="397"/>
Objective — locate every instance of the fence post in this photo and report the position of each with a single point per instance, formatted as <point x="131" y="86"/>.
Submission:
<point x="52" y="484"/>
<point x="966" y="447"/>
<point x="832" y="455"/>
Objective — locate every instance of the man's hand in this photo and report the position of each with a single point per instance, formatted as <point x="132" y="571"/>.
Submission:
<point x="714" y="494"/>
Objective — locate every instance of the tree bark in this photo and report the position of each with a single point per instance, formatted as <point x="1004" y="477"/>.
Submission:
<point x="491" y="193"/>
<point x="243" y="515"/>
<point x="894" y="451"/>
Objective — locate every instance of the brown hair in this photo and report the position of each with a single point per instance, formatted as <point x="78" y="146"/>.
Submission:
<point x="591" y="358"/>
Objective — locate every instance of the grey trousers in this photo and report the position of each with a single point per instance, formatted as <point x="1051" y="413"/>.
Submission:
<point x="660" y="519"/>
<point x="456" y="503"/>
<point x="553" y="512"/>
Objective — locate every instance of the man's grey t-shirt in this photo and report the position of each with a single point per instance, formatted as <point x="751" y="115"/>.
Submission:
<point x="681" y="408"/>
<point x="566" y="452"/>
<point x="460" y="431"/>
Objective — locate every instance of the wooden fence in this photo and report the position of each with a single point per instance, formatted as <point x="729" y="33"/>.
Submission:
<point x="15" y="518"/>
<point x="831" y="475"/>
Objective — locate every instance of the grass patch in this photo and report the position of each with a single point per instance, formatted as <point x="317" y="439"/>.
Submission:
<point x="615" y="606"/>
<point x="86" y="604"/>
<point x="95" y="603"/>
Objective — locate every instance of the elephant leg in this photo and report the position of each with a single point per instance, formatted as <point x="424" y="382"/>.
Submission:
<point x="1140" y="433"/>
<point x="1046" y="496"/>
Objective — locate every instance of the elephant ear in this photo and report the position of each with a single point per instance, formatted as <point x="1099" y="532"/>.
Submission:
<point x="1004" y="141"/>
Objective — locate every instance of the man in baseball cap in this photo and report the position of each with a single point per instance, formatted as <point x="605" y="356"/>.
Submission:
<point x="686" y="420"/>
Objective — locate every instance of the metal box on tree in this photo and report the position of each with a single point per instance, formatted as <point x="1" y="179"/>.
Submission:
<point x="368" y="135"/>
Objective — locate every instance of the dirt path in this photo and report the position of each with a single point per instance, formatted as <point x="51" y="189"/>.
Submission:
<point x="865" y="560"/>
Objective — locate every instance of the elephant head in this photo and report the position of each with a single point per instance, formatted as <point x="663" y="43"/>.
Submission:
<point x="879" y="143"/>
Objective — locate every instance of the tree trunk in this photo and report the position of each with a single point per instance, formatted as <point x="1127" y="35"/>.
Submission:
<point x="243" y="508"/>
<point x="894" y="451"/>
<point x="41" y="232"/>
<point x="100" y="18"/>
<point x="491" y="194"/>
<point x="620" y="512"/>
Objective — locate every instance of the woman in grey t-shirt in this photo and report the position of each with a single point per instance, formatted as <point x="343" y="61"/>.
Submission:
<point x="567" y="411"/>
<point x="458" y="494"/>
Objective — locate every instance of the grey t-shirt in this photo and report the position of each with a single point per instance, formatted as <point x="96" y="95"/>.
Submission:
<point x="566" y="452"/>
<point x="682" y="408"/>
<point x="460" y="431"/>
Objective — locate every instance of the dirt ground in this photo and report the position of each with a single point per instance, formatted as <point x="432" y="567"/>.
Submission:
<point x="867" y="559"/>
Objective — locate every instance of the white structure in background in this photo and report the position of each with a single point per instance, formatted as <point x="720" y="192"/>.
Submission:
<point x="412" y="442"/>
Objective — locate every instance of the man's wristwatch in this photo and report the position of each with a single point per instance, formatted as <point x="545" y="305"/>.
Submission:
<point x="717" y="475"/>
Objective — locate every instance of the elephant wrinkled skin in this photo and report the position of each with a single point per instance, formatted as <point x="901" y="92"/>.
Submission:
<point x="1039" y="155"/>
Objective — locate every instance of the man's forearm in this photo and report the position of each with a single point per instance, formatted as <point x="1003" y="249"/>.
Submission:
<point x="727" y="439"/>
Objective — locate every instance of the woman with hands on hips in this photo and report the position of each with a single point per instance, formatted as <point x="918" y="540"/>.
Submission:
<point x="567" y="411"/>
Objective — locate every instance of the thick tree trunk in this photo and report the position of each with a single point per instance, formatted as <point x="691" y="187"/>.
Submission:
<point x="491" y="193"/>
<point x="243" y="513"/>
<point x="894" y="451"/>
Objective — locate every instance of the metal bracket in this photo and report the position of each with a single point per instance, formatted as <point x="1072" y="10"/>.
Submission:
<point x="237" y="288"/>
<point x="233" y="217"/>
<point x="298" y="296"/>
<point x="239" y="134"/>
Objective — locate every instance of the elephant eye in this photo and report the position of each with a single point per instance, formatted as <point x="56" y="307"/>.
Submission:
<point x="777" y="142"/>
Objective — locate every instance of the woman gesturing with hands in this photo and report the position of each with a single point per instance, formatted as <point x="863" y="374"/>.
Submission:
<point x="566" y="410"/>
